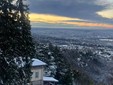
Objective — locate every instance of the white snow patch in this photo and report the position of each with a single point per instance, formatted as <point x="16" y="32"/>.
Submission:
<point x="110" y="40"/>
<point x="78" y="59"/>
<point x="37" y="62"/>
<point x="50" y="79"/>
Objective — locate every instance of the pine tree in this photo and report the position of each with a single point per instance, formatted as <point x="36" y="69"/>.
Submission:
<point x="16" y="47"/>
<point x="27" y="48"/>
<point x="57" y="65"/>
<point x="63" y="70"/>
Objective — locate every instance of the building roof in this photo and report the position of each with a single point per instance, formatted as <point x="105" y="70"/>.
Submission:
<point x="37" y="62"/>
<point x="51" y="79"/>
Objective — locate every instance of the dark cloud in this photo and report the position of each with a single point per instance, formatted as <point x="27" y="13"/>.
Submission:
<point x="85" y="9"/>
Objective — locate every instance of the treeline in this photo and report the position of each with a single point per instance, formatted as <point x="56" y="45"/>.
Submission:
<point x="60" y="64"/>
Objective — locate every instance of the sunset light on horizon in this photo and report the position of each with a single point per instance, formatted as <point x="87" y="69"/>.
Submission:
<point x="71" y="13"/>
<point x="53" y="19"/>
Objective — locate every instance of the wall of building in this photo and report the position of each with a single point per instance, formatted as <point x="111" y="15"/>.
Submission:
<point x="37" y="76"/>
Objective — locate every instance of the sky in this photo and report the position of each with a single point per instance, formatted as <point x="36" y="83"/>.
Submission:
<point x="71" y="13"/>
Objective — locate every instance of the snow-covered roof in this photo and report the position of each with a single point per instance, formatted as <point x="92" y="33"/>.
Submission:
<point x="37" y="62"/>
<point x="50" y="79"/>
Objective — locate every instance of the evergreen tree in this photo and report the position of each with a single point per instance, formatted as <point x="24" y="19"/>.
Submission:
<point x="27" y="47"/>
<point x="57" y="65"/>
<point x="63" y="70"/>
<point x="16" y="47"/>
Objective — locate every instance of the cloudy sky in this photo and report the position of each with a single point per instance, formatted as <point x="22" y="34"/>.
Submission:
<point x="71" y="13"/>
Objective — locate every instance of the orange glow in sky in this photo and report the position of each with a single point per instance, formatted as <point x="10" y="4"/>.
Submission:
<point x="52" y="19"/>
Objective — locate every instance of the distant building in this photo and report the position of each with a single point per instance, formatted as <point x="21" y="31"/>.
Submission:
<point x="38" y="74"/>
